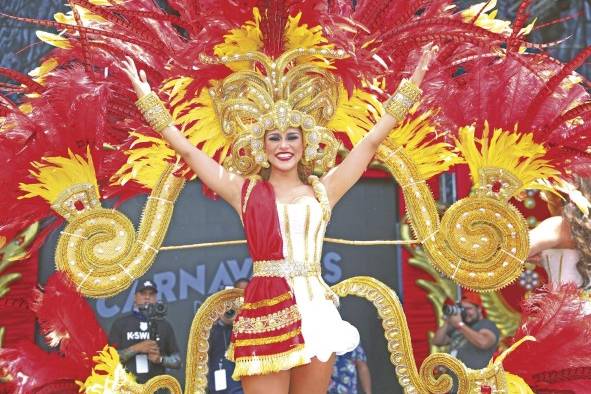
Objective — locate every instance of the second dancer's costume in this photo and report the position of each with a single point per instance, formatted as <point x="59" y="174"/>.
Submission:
<point x="559" y="315"/>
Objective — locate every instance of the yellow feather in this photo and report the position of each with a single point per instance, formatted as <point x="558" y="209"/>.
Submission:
<point x="53" y="39"/>
<point x="147" y="159"/>
<point x="57" y="174"/>
<point x="486" y="17"/>
<point x="196" y="118"/>
<point x="201" y="125"/>
<point x="108" y="375"/>
<point x="45" y="68"/>
<point x="86" y="16"/>
<point x="297" y="36"/>
<point x="419" y="139"/>
<point x="514" y="152"/>
<point x="247" y="38"/>
<point x="356" y="116"/>
<point x="26" y="108"/>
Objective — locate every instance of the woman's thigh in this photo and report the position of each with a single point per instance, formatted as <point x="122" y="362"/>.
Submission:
<point x="312" y="378"/>
<point x="272" y="383"/>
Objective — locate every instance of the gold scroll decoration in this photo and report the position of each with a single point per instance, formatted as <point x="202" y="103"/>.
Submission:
<point x="396" y="331"/>
<point x="197" y="349"/>
<point x="480" y="243"/>
<point x="151" y="386"/>
<point x="100" y="250"/>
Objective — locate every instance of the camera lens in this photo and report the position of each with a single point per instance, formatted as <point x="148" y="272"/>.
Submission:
<point x="454" y="309"/>
<point x="160" y="308"/>
<point x="230" y="314"/>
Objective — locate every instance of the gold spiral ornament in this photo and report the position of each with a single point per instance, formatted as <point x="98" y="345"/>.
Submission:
<point x="430" y="373"/>
<point x="162" y="382"/>
<point x="92" y="250"/>
<point x="482" y="241"/>
<point x="100" y="250"/>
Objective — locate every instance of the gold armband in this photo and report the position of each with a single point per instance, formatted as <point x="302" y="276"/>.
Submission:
<point x="154" y="111"/>
<point x="402" y="100"/>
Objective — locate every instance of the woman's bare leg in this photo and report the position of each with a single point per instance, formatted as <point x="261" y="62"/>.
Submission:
<point x="312" y="378"/>
<point x="272" y="383"/>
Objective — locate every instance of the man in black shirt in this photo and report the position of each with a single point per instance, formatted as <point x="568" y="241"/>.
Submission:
<point x="146" y="345"/>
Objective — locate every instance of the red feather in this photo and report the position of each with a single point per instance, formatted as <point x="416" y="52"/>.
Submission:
<point x="65" y="316"/>
<point x="36" y="371"/>
<point x="556" y="318"/>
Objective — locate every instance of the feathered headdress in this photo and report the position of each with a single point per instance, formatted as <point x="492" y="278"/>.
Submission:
<point x="96" y="35"/>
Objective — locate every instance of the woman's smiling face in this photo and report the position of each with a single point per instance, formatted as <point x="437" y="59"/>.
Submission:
<point x="284" y="149"/>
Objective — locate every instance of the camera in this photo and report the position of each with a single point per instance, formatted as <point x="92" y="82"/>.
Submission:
<point x="155" y="311"/>
<point x="230" y="313"/>
<point x="455" y="309"/>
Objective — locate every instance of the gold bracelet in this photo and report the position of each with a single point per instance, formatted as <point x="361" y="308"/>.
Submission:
<point x="410" y="90"/>
<point x="154" y="111"/>
<point x="402" y="100"/>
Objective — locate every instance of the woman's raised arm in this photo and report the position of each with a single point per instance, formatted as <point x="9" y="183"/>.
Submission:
<point x="552" y="233"/>
<point x="342" y="177"/>
<point x="215" y="176"/>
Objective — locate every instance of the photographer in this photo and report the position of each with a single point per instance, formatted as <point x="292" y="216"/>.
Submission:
<point x="144" y="338"/>
<point x="472" y="339"/>
<point x="219" y="379"/>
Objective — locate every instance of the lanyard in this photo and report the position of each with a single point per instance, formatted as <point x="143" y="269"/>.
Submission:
<point x="225" y="344"/>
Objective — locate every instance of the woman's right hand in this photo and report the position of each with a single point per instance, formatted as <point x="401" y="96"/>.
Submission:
<point x="138" y="80"/>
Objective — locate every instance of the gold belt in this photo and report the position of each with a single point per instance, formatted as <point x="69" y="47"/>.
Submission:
<point x="285" y="268"/>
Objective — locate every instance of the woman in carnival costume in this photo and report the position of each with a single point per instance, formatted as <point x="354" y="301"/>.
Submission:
<point x="558" y="315"/>
<point x="288" y="330"/>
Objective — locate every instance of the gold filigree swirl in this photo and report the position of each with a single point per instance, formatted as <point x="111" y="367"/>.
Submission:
<point x="100" y="250"/>
<point x="480" y="242"/>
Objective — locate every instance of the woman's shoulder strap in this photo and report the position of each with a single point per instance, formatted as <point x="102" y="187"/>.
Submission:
<point x="321" y="196"/>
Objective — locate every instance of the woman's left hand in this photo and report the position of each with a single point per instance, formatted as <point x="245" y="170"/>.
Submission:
<point x="429" y="53"/>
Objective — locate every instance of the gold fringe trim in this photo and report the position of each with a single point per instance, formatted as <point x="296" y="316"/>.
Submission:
<point x="268" y="302"/>
<point x="262" y="365"/>
<point x="267" y="340"/>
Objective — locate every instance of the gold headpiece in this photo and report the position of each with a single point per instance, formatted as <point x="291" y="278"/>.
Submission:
<point x="277" y="95"/>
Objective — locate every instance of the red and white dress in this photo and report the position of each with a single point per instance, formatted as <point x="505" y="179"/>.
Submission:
<point x="289" y="314"/>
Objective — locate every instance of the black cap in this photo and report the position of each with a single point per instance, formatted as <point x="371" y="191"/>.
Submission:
<point x="146" y="284"/>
